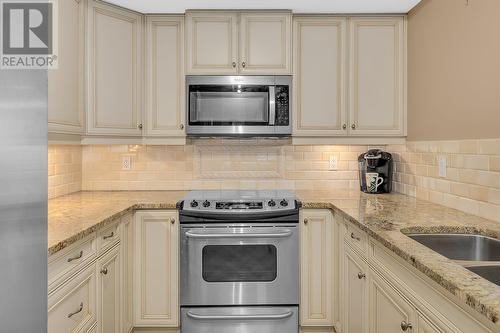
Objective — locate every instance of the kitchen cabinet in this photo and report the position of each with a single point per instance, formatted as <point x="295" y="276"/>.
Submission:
<point x="377" y="76"/>
<point x="320" y="76"/>
<point x="316" y="266"/>
<point x="109" y="292"/>
<point x="156" y="269"/>
<point x="165" y="76"/>
<point x="127" y="255"/>
<point x="66" y="83"/>
<point x="114" y="70"/>
<point x="232" y="43"/>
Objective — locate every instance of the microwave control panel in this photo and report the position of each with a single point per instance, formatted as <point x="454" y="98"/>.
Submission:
<point x="282" y="106"/>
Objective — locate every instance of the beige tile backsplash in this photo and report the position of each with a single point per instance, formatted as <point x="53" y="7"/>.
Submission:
<point x="472" y="183"/>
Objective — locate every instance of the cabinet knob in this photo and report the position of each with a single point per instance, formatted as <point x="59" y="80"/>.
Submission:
<point x="172" y="220"/>
<point x="406" y="326"/>
<point x="181" y="126"/>
<point x="234" y="64"/>
<point x="353" y="126"/>
<point x="344" y="126"/>
<point x="306" y="221"/>
<point x="243" y="64"/>
<point x="361" y="275"/>
<point x="104" y="271"/>
<point x="353" y="236"/>
<point x="139" y="126"/>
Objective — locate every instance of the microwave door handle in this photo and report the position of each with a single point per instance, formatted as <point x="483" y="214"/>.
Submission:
<point x="240" y="317"/>
<point x="272" y="105"/>
<point x="284" y="234"/>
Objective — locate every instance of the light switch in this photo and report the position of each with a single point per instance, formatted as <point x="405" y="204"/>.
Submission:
<point x="442" y="166"/>
<point x="334" y="163"/>
<point x="126" y="163"/>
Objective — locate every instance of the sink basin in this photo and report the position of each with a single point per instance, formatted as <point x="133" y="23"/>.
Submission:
<point x="490" y="273"/>
<point x="461" y="246"/>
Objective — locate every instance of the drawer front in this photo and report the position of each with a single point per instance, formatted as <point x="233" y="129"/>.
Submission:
<point x="72" y="308"/>
<point x="108" y="237"/>
<point x="67" y="262"/>
<point x="356" y="238"/>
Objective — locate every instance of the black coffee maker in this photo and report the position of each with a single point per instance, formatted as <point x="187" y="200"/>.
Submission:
<point x="375" y="161"/>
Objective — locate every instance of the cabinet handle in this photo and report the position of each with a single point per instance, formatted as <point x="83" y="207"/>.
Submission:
<point x="362" y="276"/>
<point x="243" y="64"/>
<point x="234" y="64"/>
<point x="344" y="126"/>
<point x="104" y="271"/>
<point x="306" y="221"/>
<point x="139" y="126"/>
<point x="172" y="220"/>
<point x="80" y="310"/>
<point x="405" y="326"/>
<point x="109" y="236"/>
<point x="353" y="236"/>
<point x="78" y="256"/>
<point x="353" y="126"/>
<point x="181" y="126"/>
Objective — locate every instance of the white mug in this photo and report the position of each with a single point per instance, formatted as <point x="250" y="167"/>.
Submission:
<point x="373" y="181"/>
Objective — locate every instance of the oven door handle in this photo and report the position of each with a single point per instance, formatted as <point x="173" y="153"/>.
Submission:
<point x="284" y="234"/>
<point x="241" y="317"/>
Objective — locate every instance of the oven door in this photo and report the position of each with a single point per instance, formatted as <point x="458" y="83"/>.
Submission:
<point x="239" y="265"/>
<point x="240" y="320"/>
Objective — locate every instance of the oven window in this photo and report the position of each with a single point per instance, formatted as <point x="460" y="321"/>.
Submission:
<point x="228" y="105"/>
<point x="239" y="263"/>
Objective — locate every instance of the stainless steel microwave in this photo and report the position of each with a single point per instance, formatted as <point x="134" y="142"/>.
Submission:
<point x="238" y="105"/>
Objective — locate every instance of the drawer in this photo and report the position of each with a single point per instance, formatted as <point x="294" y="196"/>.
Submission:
<point x="356" y="238"/>
<point x="67" y="262"/>
<point x="72" y="308"/>
<point x="108" y="237"/>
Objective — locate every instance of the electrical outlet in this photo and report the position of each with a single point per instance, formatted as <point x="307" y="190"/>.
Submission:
<point x="334" y="163"/>
<point x="442" y="166"/>
<point x="126" y="163"/>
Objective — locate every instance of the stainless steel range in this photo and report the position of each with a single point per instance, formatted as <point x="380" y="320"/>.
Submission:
<point x="239" y="262"/>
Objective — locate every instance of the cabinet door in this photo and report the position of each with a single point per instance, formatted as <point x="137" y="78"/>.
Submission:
<point x="114" y="70"/>
<point x="109" y="292"/>
<point x="389" y="311"/>
<point x="265" y="43"/>
<point x="127" y="255"/>
<point x="319" y="67"/>
<point x="355" y="290"/>
<point x="377" y="76"/>
<point x="156" y="269"/>
<point x="65" y="85"/>
<point x="165" y="76"/>
<point x="212" y="42"/>
<point x="317" y="258"/>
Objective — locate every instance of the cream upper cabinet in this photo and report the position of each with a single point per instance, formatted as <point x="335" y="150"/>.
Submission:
<point x="212" y="42"/>
<point x="265" y="43"/>
<point x="319" y="76"/>
<point x="164" y="76"/>
<point x="238" y="43"/>
<point x="115" y="51"/>
<point x="109" y="292"/>
<point x="65" y="84"/>
<point x="316" y="266"/>
<point x="354" y="287"/>
<point x="389" y="311"/>
<point x="156" y="269"/>
<point x="377" y="94"/>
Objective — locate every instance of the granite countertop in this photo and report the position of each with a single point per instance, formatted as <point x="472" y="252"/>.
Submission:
<point x="384" y="217"/>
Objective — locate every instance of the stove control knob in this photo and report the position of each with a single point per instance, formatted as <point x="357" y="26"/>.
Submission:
<point x="284" y="203"/>
<point x="206" y="203"/>
<point x="194" y="203"/>
<point x="271" y="203"/>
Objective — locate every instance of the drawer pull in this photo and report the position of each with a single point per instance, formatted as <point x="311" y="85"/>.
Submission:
<point x="77" y="311"/>
<point x="361" y="275"/>
<point x="76" y="257"/>
<point x="353" y="236"/>
<point x="112" y="234"/>
<point x="104" y="271"/>
<point x="405" y="326"/>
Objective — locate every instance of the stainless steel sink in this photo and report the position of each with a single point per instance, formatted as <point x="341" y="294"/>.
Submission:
<point x="461" y="246"/>
<point x="490" y="273"/>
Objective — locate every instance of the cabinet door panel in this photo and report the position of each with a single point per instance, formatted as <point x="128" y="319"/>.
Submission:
<point x="212" y="43"/>
<point x="377" y="76"/>
<point x="127" y="254"/>
<point x="319" y="69"/>
<point x="165" y="76"/>
<point x="156" y="269"/>
<point x="65" y="85"/>
<point x="265" y="43"/>
<point x="115" y="76"/>
<point x="355" y="298"/>
<point x="388" y="309"/>
<point x="109" y="292"/>
<point x="317" y="258"/>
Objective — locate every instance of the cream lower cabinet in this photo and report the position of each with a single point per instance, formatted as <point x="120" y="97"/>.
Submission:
<point x="109" y="292"/>
<point x="127" y="256"/>
<point x="156" y="269"/>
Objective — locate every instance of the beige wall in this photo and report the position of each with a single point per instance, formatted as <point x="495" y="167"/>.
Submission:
<point x="454" y="70"/>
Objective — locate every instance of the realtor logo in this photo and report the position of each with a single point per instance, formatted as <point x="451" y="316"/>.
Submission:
<point x="29" y="39"/>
